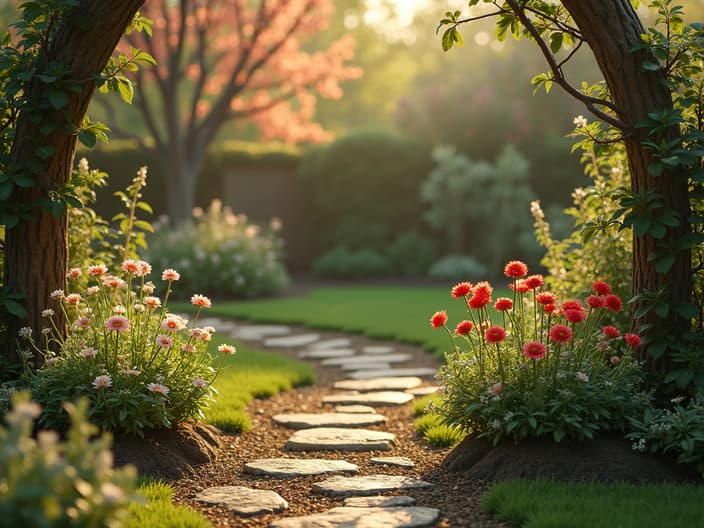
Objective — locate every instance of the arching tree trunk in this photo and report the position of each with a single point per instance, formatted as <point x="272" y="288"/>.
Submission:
<point x="36" y="253"/>
<point x="612" y="29"/>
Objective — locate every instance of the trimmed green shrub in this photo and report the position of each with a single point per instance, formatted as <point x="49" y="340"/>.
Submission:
<point x="412" y="253"/>
<point x="457" y="267"/>
<point x="49" y="482"/>
<point x="344" y="263"/>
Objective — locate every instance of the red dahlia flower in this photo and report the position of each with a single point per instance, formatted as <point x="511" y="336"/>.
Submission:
<point x="438" y="319"/>
<point x="516" y="269"/>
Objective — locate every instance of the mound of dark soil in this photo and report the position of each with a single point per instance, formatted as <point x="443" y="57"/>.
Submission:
<point x="604" y="459"/>
<point x="169" y="453"/>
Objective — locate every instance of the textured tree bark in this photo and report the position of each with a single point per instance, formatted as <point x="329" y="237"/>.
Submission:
<point x="612" y="29"/>
<point x="36" y="253"/>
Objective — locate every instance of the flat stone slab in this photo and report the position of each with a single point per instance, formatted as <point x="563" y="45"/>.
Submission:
<point x="339" y="438"/>
<point x="361" y="366"/>
<point x="246" y="502"/>
<point x="379" y="501"/>
<point x="338" y="342"/>
<point x="378" y="349"/>
<point x="398" y="461"/>
<point x="422" y="372"/>
<point x="259" y="332"/>
<point x="370" y="398"/>
<point x="361" y="409"/>
<point x="297" y="467"/>
<point x="327" y="353"/>
<point x="340" y="486"/>
<point x="306" y="421"/>
<point x="370" y="358"/>
<point x="347" y="517"/>
<point x="424" y="391"/>
<point x="379" y="384"/>
<point x="293" y="341"/>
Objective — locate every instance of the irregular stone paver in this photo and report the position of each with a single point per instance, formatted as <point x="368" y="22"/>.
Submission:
<point x="424" y="391"/>
<point x="361" y="366"/>
<point x="246" y="502"/>
<point x="292" y="341"/>
<point x="378" y="349"/>
<point x="379" y="501"/>
<point x="306" y="421"/>
<point x="346" y="517"/>
<point x="297" y="467"/>
<point x="339" y="486"/>
<point x="399" y="461"/>
<point x="370" y="398"/>
<point x="377" y="384"/>
<point x="338" y="342"/>
<point x="337" y="438"/>
<point x="326" y="353"/>
<point x="370" y="358"/>
<point x="421" y="372"/>
<point x="361" y="409"/>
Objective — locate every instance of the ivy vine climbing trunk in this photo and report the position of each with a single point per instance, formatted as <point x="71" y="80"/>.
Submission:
<point x="612" y="30"/>
<point x="36" y="252"/>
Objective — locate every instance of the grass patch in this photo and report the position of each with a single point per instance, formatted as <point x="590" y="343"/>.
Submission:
<point x="251" y="374"/>
<point x="548" y="504"/>
<point x="420" y="404"/>
<point x="443" y="435"/>
<point x="159" y="509"/>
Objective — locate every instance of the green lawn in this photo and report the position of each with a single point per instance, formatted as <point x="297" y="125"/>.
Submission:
<point x="159" y="509"/>
<point x="545" y="504"/>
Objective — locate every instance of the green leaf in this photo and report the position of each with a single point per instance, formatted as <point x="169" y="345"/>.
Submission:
<point x="685" y="310"/>
<point x="124" y="87"/>
<point x="664" y="264"/>
<point x="651" y="66"/>
<point x="447" y="39"/>
<point x="44" y="152"/>
<point x="57" y="98"/>
<point x="556" y="41"/>
<point x="662" y="310"/>
<point x="87" y="138"/>
<point x="14" y="308"/>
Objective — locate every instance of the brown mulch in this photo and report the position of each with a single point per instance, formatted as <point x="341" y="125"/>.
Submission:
<point x="459" y="477"/>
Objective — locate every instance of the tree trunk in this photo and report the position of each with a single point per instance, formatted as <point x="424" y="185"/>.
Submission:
<point x="179" y="176"/>
<point x="612" y="29"/>
<point x="36" y="253"/>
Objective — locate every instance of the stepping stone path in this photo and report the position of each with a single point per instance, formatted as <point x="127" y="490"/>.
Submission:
<point x="297" y="467"/>
<point x="245" y="502"/>
<point x="372" y="383"/>
<point x="306" y="421"/>
<point x="340" y="439"/>
<point x="370" y="398"/>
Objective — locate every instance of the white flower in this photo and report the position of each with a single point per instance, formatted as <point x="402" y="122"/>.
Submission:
<point x="46" y="331"/>
<point x="57" y="294"/>
<point x="102" y="382"/>
<point x="581" y="376"/>
<point x="89" y="352"/>
<point x="580" y="121"/>
<point x="158" y="388"/>
<point x="199" y="383"/>
<point x="48" y="312"/>
<point x="133" y="372"/>
<point x="25" y="332"/>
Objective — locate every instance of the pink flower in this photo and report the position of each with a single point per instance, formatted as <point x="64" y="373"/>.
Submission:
<point x="561" y="334"/>
<point x="460" y="290"/>
<point x="134" y="372"/>
<point x="534" y="281"/>
<point x="515" y="269"/>
<point x="438" y="319"/>
<point x="496" y="389"/>
<point x="158" y="388"/>
<point x="152" y="302"/>
<point x="200" y="300"/>
<point x="144" y="268"/>
<point x="520" y="286"/>
<point x="164" y="341"/>
<point x="502" y="304"/>
<point x="632" y="339"/>
<point x="74" y="273"/>
<point x="112" y="281"/>
<point x="534" y="349"/>
<point x="594" y="301"/>
<point x="189" y="348"/>
<point x="73" y="298"/>
<point x="546" y="298"/>
<point x="117" y="323"/>
<point x="172" y="324"/>
<point x="613" y="303"/>
<point x="82" y="322"/>
<point x="130" y="266"/>
<point x="102" y="382"/>
<point x="574" y="316"/>
<point x="228" y="350"/>
<point x="170" y="275"/>
<point x="199" y="383"/>
<point x="610" y="331"/>
<point x="494" y="334"/>
<point x="615" y="360"/>
<point x="601" y="288"/>
<point x="89" y="352"/>
<point x="464" y="328"/>
<point x="97" y="269"/>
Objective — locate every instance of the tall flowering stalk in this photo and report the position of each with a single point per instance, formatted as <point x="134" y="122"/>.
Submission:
<point x="532" y="364"/>
<point x="140" y="365"/>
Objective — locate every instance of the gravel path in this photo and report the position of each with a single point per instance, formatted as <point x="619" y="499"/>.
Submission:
<point x="456" y="497"/>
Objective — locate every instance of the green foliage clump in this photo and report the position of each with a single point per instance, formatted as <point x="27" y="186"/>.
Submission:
<point x="345" y="263"/>
<point x="479" y="208"/>
<point x="677" y="432"/>
<point x="159" y="509"/>
<point x="362" y="179"/>
<point x="443" y="435"/>
<point x="51" y="482"/>
<point x="222" y="254"/>
<point x="140" y="366"/>
<point x="551" y="368"/>
<point x="457" y="267"/>
<point x="411" y="253"/>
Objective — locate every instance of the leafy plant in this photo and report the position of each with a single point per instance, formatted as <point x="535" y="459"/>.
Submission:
<point x="457" y="267"/>
<point x="51" y="482"/>
<point x="222" y="254"/>
<point x="412" y="253"/>
<point x="140" y="366"/>
<point x="550" y="368"/>
<point x="344" y="263"/>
